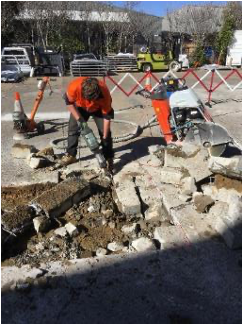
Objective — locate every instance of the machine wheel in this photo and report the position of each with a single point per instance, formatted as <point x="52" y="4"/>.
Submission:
<point x="40" y="128"/>
<point x="174" y="66"/>
<point x="146" y="67"/>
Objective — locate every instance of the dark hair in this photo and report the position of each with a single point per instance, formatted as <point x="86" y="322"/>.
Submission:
<point x="90" y="89"/>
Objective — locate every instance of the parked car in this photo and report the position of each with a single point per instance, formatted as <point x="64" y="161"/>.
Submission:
<point x="88" y="65"/>
<point x="11" y="73"/>
<point x="18" y="56"/>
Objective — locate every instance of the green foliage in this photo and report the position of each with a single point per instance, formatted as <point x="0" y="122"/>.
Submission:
<point x="198" y="55"/>
<point x="225" y="36"/>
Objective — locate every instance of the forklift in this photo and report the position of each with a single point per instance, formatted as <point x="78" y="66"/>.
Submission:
<point x="163" y="55"/>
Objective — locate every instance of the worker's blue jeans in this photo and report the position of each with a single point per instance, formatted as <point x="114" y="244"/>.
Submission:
<point x="74" y="133"/>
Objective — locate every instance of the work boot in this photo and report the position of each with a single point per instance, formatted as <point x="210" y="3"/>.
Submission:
<point x="67" y="159"/>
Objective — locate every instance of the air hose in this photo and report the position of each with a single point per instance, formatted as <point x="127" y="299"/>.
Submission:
<point x="123" y="138"/>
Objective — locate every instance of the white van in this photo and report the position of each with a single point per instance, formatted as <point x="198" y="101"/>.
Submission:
<point x="18" y="56"/>
<point x="234" y="54"/>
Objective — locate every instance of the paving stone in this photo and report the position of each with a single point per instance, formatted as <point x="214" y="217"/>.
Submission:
<point x="143" y="244"/>
<point x="169" y="237"/>
<point x="188" y="185"/>
<point x="22" y="151"/>
<point x="62" y="197"/>
<point x="171" y="175"/>
<point x="129" y="202"/>
<point x="195" y="162"/>
<point x="227" y="220"/>
<point x="170" y="197"/>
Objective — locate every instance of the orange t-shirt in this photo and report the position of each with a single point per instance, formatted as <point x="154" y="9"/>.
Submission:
<point x="75" y="96"/>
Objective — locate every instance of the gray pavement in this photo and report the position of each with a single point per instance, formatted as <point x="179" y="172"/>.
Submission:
<point x="53" y="112"/>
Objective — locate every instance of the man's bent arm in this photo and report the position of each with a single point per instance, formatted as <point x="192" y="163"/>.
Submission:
<point x="74" y="112"/>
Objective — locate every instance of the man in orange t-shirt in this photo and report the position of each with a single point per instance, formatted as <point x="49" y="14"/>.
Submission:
<point x="85" y="97"/>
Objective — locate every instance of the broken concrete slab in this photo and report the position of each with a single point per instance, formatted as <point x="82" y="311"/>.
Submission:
<point x="195" y="161"/>
<point x="62" y="197"/>
<point x="22" y="151"/>
<point x="188" y="186"/>
<point x="194" y="226"/>
<point x="230" y="167"/>
<point x="143" y="244"/>
<point x="169" y="237"/>
<point x="43" y="176"/>
<point x="202" y="203"/>
<point x="41" y="224"/>
<point x="170" y="197"/>
<point x="149" y="161"/>
<point x="128" y="201"/>
<point x="228" y="223"/>
<point x="172" y="175"/>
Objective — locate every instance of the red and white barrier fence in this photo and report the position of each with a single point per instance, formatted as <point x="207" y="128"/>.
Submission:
<point x="199" y="81"/>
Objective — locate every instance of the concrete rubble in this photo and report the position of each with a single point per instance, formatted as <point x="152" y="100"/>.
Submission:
<point x="164" y="203"/>
<point x="229" y="167"/>
<point x="53" y="203"/>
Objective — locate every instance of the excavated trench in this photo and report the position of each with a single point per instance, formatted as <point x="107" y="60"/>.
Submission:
<point x="97" y="218"/>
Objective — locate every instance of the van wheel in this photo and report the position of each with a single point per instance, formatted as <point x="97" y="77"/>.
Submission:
<point x="174" y="66"/>
<point x="146" y="67"/>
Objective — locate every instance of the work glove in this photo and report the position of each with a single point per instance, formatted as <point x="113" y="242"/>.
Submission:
<point x="82" y="126"/>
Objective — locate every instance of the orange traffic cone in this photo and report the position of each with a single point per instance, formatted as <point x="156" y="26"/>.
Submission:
<point x="148" y="86"/>
<point x="19" y="119"/>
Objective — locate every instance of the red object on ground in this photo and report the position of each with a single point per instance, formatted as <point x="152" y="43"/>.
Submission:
<point x="162" y="111"/>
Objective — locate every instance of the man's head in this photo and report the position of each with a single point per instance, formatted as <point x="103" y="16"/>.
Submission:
<point x="90" y="89"/>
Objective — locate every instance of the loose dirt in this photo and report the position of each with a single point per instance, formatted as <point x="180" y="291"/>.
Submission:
<point x="97" y="218"/>
<point x="224" y="182"/>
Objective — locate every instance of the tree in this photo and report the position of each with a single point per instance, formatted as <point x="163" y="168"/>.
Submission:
<point x="46" y="19"/>
<point x="196" y="20"/>
<point x="9" y="10"/>
<point x="226" y="33"/>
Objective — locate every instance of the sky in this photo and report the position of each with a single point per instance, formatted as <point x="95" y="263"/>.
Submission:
<point x="159" y="8"/>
